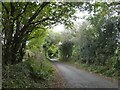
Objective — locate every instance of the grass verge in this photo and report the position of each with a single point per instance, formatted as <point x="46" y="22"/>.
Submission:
<point x="102" y="70"/>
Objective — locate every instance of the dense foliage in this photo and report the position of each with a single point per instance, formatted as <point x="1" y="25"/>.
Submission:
<point x="28" y="39"/>
<point x="24" y="29"/>
<point x="28" y="74"/>
<point x="66" y="50"/>
<point x="21" y="18"/>
<point x="97" y="40"/>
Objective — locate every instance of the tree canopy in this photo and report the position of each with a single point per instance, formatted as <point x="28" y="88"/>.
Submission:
<point x="20" y="19"/>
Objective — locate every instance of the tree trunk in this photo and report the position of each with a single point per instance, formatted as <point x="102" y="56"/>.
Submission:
<point x="13" y="55"/>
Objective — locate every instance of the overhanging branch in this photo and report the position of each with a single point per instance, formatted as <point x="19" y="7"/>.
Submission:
<point x="38" y="11"/>
<point x="34" y="16"/>
<point x="47" y="18"/>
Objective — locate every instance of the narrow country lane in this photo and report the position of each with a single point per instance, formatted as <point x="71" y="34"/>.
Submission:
<point x="77" y="78"/>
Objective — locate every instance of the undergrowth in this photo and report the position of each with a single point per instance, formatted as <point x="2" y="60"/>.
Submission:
<point x="104" y="70"/>
<point x="28" y="74"/>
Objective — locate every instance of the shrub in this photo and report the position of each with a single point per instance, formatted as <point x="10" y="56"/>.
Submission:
<point x="39" y="70"/>
<point x="28" y="74"/>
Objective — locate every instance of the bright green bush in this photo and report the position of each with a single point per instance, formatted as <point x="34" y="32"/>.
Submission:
<point x="39" y="70"/>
